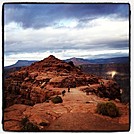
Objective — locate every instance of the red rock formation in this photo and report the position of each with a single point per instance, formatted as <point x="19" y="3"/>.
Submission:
<point x="32" y="84"/>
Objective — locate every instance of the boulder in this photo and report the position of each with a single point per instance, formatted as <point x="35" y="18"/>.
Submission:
<point x="37" y="95"/>
<point x="33" y="75"/>
<point x="13" y="116"/>
<point x="58" y="81"/>
<point x="39" y="120"/>
<point x="12" y="125"/>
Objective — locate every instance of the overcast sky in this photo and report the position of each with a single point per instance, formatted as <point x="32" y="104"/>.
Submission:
<point x="34" y="31"/>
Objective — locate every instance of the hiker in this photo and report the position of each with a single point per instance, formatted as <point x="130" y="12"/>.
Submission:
<point x="68" y="88"/>
<point x="63" y="92"/>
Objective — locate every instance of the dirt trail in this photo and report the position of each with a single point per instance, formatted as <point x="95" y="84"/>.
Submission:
<point x="76" y="95"/>
<point x="81" y="115"/>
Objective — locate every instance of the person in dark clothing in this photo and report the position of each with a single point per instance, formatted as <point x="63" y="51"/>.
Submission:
<point x="63" y="92"/>
<point x="68" y="88"/>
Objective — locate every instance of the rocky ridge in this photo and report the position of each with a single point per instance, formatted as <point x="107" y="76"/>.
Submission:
<point x="33" y="84"/>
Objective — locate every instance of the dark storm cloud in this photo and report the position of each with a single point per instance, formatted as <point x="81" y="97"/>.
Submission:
<point x="42" y="15"/>
<point x="58" y="47"/>
<point x="123" y="44"/>
<point x="116" y="44"/>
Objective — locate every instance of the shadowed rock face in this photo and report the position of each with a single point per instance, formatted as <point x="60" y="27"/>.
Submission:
<point x="33" y="84"/>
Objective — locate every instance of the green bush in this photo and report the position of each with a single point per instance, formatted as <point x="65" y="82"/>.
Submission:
<point x="108" y="109"/>
<point x="57" y="99"/>
<point x="28" y="126"/>
<point x="101" y="108"/>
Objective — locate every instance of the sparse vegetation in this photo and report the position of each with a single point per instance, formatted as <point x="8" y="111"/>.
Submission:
<point x="24" y="121"/>
<point x="28" y="126"/>
<point x="108" y="109"/>
<point x="57" y="99"/>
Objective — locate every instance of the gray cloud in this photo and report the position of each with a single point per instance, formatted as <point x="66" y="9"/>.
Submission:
<point x="123" y="44"/>
<point x="110" y="55"/>
<point x="115" y="44"/>
<point x="40" y="15"/>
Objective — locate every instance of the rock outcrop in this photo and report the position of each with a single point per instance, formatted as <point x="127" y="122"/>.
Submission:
<point x="110" y="89"/>
<point x="32" y="84"/>
<point x="105" y="89"/>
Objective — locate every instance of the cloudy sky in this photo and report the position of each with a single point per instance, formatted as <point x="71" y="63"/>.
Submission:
<point x="34" y="31"/>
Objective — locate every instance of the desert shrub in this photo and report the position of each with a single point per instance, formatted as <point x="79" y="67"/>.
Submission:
<point x="101" y="108"/>
<point x="57" y="99"/>
<point x="28" y="126"/>
<point x="112" y="109"/>
<point x="24" y="121"/>
<point x="108" y="109"/>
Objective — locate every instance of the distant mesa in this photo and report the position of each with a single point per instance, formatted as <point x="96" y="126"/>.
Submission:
<point x="78" y="61"/>
<point x="21" y="63"/>
<point x="81" y="61"/>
